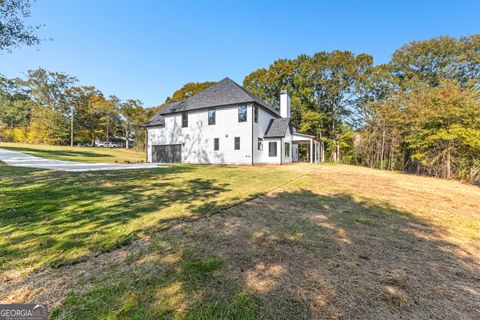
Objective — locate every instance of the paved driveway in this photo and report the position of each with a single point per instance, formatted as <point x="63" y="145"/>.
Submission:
<point x="19" y="159"/>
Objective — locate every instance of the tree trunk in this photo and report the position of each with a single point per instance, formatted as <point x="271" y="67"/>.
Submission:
<point x="391" y="153"/>
<point x="448" y="165"/>
<point x="338" y="152"/>
<point x="333" y="157"/>
<point x="382" y="148"/>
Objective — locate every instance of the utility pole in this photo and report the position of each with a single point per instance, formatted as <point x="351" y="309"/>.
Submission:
<point x="71" y="126"/>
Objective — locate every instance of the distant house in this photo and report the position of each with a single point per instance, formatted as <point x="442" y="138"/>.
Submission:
<point x="226" y="124"/>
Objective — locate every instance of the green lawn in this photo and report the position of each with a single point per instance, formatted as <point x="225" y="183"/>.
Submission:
<point x="83" y="154"/>
<point x="185" y="242"/>
<point x="55" y="218"/>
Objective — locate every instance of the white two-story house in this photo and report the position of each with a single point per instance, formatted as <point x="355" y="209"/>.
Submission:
<point x="226" y="124"/>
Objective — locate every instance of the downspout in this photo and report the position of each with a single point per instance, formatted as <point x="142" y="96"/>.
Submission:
<point x="281" y="152"/>
<point x="253" y="115"/>
<point x="146" y="146"/>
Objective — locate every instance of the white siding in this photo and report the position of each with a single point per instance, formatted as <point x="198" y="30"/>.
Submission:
<point x="287" y="139"/>
<point x="197" y="139"/>
<point x="259" y="129"/>
<point x="267" y="158"/>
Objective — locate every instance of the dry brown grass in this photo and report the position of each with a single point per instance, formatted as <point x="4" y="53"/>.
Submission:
<point x="338" y="242"/>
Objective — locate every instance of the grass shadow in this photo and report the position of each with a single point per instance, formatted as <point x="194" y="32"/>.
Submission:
<point x="60" y="218"/>
<point x="294" y="255"/>
<point x="57" y="218"/>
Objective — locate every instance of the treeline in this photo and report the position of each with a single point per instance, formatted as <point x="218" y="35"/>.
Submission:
<point x="418" y="113"/>
<point x="39" y="109"/>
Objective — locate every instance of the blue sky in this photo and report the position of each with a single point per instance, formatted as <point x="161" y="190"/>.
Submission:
<point x="148" y="49"/>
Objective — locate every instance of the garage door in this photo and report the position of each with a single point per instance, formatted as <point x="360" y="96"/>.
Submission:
<point x="167" y="153"/>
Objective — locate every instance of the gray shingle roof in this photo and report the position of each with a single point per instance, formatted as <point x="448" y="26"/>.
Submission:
<point x="223" y="93"/>
<point x="158" y="119"/>
<point x="277" y="128"/>
<point x="172" y="107"/>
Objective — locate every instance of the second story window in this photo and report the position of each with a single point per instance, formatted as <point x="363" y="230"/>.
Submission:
<point x="255" y="114"/>
<point x="211" y="116"/>
<point x="237" y="143"/>
<point x="184" y="119"/>
<point x="216" y="144"/>
<point x="242" y="113"/>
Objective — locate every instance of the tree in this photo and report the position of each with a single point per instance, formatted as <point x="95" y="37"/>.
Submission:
<point x="444" y="128"/>
<point x="49" y="90"/>
<point x="13" y="30"/>
<point x="133" y="116"/>
<point x="188" y="90"/>
<point x="378" y="143"/>
<point x="431" y="61"/>
<point x="86" y="101"/>
<point x="325" y="90"/>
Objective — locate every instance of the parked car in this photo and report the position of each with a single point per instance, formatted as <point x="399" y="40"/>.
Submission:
<point x="107" y="144"/>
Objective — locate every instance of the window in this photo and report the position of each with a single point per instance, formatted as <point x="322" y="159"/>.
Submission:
<point x="242" y="113"/>
<point x="255" y="114"/>
<point x="216" y="144"/>
<point x="211" y="116"/>
<point x="237" y="143"/>
<point x="260" y="144"/>
<point x="184" y="119"/>
<point x="272" y="149"/>
<point x="287" y="149"/>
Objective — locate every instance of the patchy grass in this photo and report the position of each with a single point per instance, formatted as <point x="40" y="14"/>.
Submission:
<point x="330" y="242"/>
<point x="82" y="154"/>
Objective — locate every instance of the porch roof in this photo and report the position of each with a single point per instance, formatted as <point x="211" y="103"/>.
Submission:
<point x="299" y="137"/>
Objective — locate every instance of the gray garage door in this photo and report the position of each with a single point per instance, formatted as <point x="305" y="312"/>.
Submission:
<point x="167" y="153"/>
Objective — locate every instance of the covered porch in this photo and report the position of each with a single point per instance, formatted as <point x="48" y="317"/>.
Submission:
<point x="315" y="147"/>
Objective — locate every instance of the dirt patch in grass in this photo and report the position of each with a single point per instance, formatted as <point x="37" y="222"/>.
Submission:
<point x="339" y="242"/>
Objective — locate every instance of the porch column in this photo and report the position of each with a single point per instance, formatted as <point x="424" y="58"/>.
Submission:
<point x="322" y="152"/>
<point x="311" y="151"/>
<point x="317" y="154"/>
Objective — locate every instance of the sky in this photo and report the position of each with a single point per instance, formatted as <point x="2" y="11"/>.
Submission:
<point x="148" y="49"/>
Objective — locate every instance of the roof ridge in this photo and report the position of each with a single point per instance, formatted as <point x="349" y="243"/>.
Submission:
<point x="252" y="95"/>
<point x="248" y="93"/>
<point x="223" y="92"/>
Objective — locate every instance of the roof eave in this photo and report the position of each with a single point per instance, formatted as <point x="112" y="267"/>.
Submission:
<point x="153" y="125"/>
<point x="267" y="109"/>
<point x="216" y="106"/>
<point x="304" y="135"/>
<point x="273" y="137"/>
